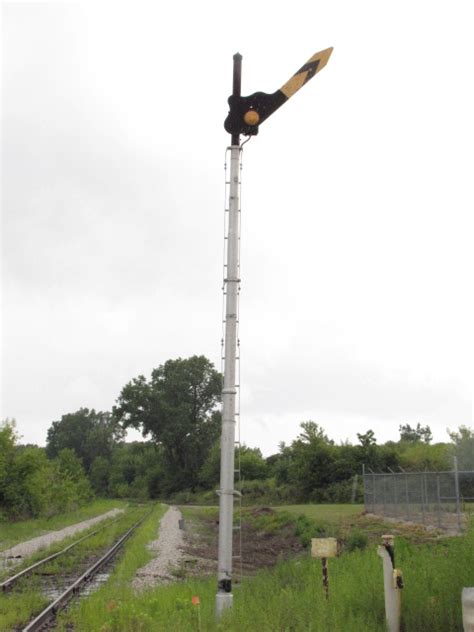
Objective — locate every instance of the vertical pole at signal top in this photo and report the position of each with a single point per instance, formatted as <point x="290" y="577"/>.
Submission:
<point x="224" y="595"/>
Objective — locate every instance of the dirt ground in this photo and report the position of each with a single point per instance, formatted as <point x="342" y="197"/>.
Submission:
<point x="259" y="549"/>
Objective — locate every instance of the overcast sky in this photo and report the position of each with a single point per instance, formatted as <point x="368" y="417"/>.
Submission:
<point x="356" y="304"/>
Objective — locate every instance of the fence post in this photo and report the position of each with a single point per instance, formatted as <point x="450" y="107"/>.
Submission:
<point x="407" y="496"/>
<point x="383" y="491"/>
<point x="395" y="496"/>
<point x="438" y="494"/>
<point x="427" y="496"/>
<point x="354" y="489"/>
<point x="365" y="486"/>
<point x="374" y="497"/>
<point x="456" y="485"/>
<point x="374" y="493"/>
<point x="422" y="479"/>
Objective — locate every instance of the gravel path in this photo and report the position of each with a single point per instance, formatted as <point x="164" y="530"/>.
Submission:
<point x="24" y="549"/>
<point x="168" y="549"/>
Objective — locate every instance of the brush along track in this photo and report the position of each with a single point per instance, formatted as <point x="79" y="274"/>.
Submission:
<point x="45" y="619"/>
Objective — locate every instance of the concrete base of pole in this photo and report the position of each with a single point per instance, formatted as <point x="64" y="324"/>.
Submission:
<point x="468" y="609"/>
<point x="223" y="601"/>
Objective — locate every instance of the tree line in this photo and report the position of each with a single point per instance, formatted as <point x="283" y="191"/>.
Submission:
<point x="177" y="411"/>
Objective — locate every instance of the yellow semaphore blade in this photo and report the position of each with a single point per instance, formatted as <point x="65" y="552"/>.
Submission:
<point x="306" y="72"/>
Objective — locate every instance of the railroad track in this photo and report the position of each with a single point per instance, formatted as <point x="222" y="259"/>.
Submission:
<point x="8" y="583"/>
<point x="44" y="619"/>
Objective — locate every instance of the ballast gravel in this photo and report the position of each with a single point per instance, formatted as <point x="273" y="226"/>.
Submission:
<point x="168" y="548"/>
<point x="24" y="549"/>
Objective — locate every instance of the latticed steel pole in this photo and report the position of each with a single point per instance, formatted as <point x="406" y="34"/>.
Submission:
<point x="229" y="391"/>
<point x="245" y="116"/>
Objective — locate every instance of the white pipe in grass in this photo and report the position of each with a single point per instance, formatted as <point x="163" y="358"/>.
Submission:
<point x="391" y="590"/>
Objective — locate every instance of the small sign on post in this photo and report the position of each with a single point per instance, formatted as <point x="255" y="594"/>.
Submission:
<point x="324" y="548"/>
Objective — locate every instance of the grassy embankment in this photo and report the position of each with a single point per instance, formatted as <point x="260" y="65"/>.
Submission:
<point x="26" y="599"/>
<point x="290" y="597"/>
<point x="12" y="533"/>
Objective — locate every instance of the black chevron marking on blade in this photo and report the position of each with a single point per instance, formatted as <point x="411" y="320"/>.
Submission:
<point x="311" y="68"/>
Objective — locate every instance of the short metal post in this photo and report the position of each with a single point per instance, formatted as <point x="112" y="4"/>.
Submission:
<point x="456" y="485"/>
<point x="324" y="561"/>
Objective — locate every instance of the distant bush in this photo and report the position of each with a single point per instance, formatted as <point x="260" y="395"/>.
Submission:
<point x="339" y="492"/>
<point x="306" y="529"/>
<point x="357" y="540"/>
<point x="267" y="492"/>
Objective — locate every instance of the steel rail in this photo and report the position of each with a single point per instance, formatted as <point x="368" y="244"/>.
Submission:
<point x="58" y="604"/>
<point x="8" y="583"/>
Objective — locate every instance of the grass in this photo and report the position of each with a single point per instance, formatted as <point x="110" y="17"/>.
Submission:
<point x="26" y="599"/>
<point x="289" y="598"/>
<point x="17" y="608"/>
<point x="331" y="514"/>
<point x="12" y="533"/>
<point x="55" y="547"/>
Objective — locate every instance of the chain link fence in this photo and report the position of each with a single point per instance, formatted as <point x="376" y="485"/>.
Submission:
<point x="434" y="499"/>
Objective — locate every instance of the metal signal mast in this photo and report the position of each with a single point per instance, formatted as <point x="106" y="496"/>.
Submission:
<point x="245" y="116"/>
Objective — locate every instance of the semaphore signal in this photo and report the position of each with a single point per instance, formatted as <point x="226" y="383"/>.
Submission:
<point x="246" y="114"/>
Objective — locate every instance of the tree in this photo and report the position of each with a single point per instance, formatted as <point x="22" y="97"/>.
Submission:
<point x="412" y="435"/>
<point x="177" y="407"/>
<point x="463" y="447"/>
<point x="418" y="456"/>
<point x="31" y="485"/>
<point x="312" y="460"/>
<point x="99" y="475"/>
<point x="367" y="439"/>
<point x="8" y="439"/>
<point x="252" y="465"/>
<point x="279" y="464"/>
<point x="89" y="433"/>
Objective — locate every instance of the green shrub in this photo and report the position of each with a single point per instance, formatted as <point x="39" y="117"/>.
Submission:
<point x="31" y="485"/>
<point x="306" y="529"/>
<point x="357" y="540"/>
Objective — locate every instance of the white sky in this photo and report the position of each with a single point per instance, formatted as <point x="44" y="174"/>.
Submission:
<point x="356" y="305"/>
